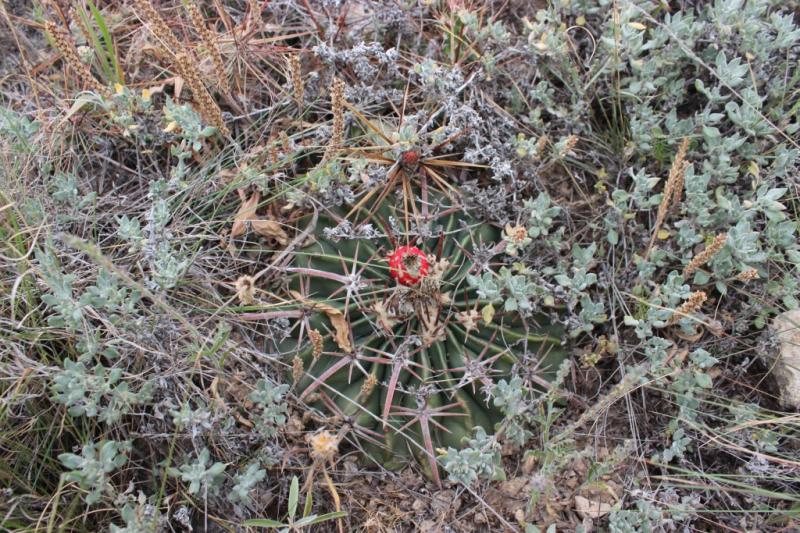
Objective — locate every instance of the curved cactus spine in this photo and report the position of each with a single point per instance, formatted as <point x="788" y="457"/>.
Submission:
<point x="405" y="351"/>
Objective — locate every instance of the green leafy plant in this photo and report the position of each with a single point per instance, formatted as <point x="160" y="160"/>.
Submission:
<point x="245" y="482"/>
<point x="91" y="468"/>
<point x="290" y="525"/>
<point x="270" y="399"/>
<point x="480" y="459"/>
<point x="198" y="475"/>
<point x="412" y="346"/>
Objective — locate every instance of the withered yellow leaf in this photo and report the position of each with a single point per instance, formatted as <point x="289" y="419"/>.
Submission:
<point x="246" y="213"/>
<point x="338" y="321"/>
<point x="487" y="313"/>
<point x="270" y="229"/>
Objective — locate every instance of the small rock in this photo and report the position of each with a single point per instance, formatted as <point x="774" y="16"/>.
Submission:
<point x="429" y="526"/>
<point x="514" y="487"/>
<point x="419" y="505"/>
<point x="786" y="367"/>
<point x="591" y="509"/>
<point x="445" y="502"/>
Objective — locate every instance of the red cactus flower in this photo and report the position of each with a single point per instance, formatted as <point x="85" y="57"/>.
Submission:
<point x="409" y="157"/>
<point x="408" y="265"/>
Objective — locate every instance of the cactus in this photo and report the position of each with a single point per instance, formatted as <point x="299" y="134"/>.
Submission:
<point x="392" y="338"/>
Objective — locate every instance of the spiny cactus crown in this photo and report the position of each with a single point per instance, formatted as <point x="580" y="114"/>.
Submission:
<point x="406" y="356"/>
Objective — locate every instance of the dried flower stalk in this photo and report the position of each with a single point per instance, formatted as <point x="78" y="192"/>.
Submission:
<point x="253" y="11"/>
<point x="747" y="275"/>
<point x="297" y="369"/>
<point x="79" y="22"/>
<point x="158" y="27"/>
<point x="672" y="190"/>
<point x="272" y="151"/>
<point x="337" y="108"/>
<point x="689" y="307"/>
<point x="210" y="44"/>
<point x="706" y="255"/>
<point x="368" y="387"/>
<point x="295" y="76"/>
<point x="65" y="44"/>
<point x="569" y="145"/>
<point x="316" y="342"/>
<point x="207" y="106"/>
<point x="677" y="172"/>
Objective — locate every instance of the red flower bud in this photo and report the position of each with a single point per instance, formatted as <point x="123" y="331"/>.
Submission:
<point x="408" y="265"/>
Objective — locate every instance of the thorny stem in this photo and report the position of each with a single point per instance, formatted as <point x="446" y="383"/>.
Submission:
<point x="344" y="280"/>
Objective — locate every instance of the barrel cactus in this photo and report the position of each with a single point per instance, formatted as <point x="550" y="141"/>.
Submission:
<point x="393" y="338"/>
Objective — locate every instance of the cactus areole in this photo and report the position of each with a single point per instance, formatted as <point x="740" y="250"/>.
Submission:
<point x="407" y="359"/>
<point x="408" y="265"/>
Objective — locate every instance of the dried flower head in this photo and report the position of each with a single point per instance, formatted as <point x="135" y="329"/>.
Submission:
<point x="469" y="319"/>
<point x="384" y="316"/>
<point x="246" y="290"/>
<point x="324" y="445"/>
<point x="569" y="145"/>
<point x="316" y="342"/>
<point x="747" y="275"/>
<point x="516" y="238"/>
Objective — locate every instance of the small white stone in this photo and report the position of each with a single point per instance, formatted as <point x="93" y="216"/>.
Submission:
<point x="786" y="366"/>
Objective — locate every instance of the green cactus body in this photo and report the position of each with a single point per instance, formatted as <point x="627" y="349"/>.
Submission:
<point x="413" y="374"/>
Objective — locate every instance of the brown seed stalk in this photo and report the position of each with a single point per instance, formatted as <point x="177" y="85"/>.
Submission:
<point x="368" y="387"/>
<point x="210" y="45"/>
<point x="295" y="76"/>
<point x="206" y="105"/>
<point x="253" y="12"/>
<point x="706" y="255"/>
<point x="316" y="343"/>
<point x="158" y="26"/>
<point x="672" y="190"/>
<point x="65" y="44"/>
<point x="747" y="275"/>
<point x="689" y="307"/>
<point x="337" y="108"/>
<point x="677" y="172"/>
<point x="297" y="369"/>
